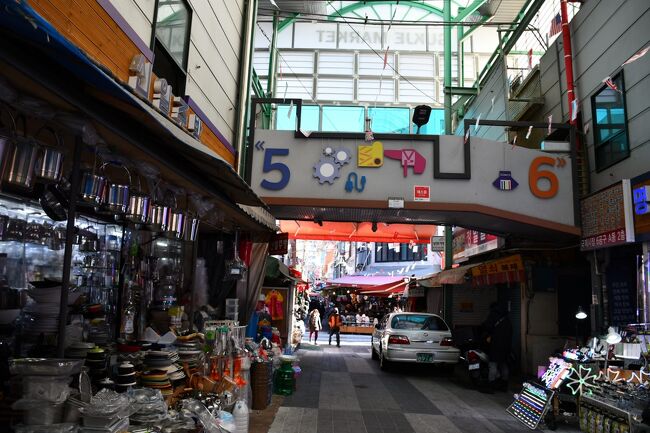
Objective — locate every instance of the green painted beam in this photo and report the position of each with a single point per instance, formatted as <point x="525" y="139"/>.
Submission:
<point x="469" y="10"/>
<point x="359" y="5"/>
<point x="447" y="60"/>
<point x="287" y="21"/>
<point x="461" y="91"/>
<point x="472" y="27"/>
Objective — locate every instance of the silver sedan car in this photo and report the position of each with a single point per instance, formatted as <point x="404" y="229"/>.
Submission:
<point x="413" y="337"/>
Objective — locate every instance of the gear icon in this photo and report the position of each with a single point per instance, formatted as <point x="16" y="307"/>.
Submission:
<point x="342" y="155"/>
<point x="328" y="151"/>
<point x="327" y="170"/>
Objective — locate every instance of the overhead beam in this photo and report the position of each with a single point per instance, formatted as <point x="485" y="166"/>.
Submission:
<point x="469" y="10"/>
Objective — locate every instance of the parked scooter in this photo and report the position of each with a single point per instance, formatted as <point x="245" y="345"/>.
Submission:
<point x="472" y="357"/>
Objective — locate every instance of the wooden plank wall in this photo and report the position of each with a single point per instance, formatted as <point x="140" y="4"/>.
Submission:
<point x="86" y="24"/>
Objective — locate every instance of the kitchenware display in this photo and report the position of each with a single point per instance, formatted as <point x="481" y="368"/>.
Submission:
<point x="15" y="230"/>
<point x="50" y="160"/>
<point x="139" y="206"/>
<point x="34" y="233"/>
<point x="116" y="195"/>
<point x="79" y="350"/>
<point x="159" y="213"/>
<point x="39" y="412"/>
<point x="92" y="187"/>
<point x="58" y="238"/>
<point x="21" y="160"/>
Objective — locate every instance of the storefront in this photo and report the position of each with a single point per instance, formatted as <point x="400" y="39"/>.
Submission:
<point x="121" y="236"/>
<point x="641" y="204"/>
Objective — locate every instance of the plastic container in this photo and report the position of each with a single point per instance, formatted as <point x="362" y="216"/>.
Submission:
<point x="240" y="414"/>
<point x="119" y="426"/>
<point x="38" y="412"/>
<point x="45" y="366"/>
<point x="53" y="428"/>
<point x="48" y="388"/>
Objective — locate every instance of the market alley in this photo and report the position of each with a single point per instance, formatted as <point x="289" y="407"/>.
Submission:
<point x="341" y="390"/>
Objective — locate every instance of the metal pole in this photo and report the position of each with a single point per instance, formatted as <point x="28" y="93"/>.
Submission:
<point x="195" y="253"/>
<point x="67" y="254"/>
<point x="449" y="252"/>
<point x="245" y="72"/>
<point x="273" y="60"/>
<point x="506" y="86"/>
<point x="460" y="31"/>
<point x="447" y="77"/>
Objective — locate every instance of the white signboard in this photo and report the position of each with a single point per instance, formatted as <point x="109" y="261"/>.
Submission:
<point x="357" y="171"/>
<point x="437" y="244"/>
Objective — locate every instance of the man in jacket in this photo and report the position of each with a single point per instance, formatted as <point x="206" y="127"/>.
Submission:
<point x="334" y="323"/>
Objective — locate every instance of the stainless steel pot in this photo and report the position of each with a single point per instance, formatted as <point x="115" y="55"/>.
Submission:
<point x="116" y="195"/>
<point x="139" y="205"/>
<point x="158" y="217"/>
<point x="21" y="162"/>
<point x="176" y="225"/>
<point x="5" y="140"/>
<point x="50" y="161"/>
<point x="92" y="187"/>
<point x="191" y="228"/>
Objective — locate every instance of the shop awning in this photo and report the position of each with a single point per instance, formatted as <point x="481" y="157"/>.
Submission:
<point x="449" y="276"/>
<point x="358" y="232"/>
<point x="28" y="40"/>
<point x="371" y="285"/>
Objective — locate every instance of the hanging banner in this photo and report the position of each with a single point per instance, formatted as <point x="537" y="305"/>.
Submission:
<point x="279" y="244"/>
<point x="607" y="218"/>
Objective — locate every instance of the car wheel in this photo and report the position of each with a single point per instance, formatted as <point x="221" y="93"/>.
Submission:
<point x="383" y="362"/>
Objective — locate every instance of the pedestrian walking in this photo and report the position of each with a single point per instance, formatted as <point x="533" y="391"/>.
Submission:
<point x="334" y="323"/>
<point x="315" y="325"/>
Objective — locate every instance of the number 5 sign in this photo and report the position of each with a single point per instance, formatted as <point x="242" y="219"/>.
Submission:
<point x="535" y="175"/>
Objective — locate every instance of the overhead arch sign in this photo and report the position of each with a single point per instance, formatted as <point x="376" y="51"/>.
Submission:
<point x="437" y="173"/>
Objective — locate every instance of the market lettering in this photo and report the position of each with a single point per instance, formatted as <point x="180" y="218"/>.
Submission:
<point x="353" y="37"/>
<point x="326" y="35"/>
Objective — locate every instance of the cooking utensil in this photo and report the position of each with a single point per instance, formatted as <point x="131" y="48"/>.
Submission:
<point x="191" y="228"/>
<point x="21" y="160"/>
<point x="51" y="202"/>
<point x="176" y="225"/>
<point x="139" y="206"/>
<point x="159" y="214"/>
<point x="92" y="187"/>
<point x="50" y="162"/>
<point x="116" y="195"/>
<point x="5" y="140"/>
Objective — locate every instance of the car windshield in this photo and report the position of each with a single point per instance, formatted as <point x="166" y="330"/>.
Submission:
<point x="418" y="322"/>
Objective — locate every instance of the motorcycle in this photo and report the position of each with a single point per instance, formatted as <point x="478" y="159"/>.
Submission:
<point x="473" y="358"/>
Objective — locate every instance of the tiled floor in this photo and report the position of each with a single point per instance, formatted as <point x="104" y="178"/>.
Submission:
<point x="341" y="390"/>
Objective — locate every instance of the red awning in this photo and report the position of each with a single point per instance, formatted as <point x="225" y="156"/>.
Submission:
<point x="359" y="232"/>
<point x="371" y="285"/>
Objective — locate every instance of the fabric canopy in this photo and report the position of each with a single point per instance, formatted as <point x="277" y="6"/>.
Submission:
<point x="449" y="276"/>
<point x="371" y="285"/>
<point x="359" y="232"/>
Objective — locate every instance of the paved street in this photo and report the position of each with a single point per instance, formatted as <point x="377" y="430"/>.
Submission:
<point x="341" y="390"/>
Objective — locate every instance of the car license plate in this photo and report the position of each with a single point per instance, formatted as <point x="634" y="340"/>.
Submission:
<point x="474" y="366"/>
<point x="424" y="357"/>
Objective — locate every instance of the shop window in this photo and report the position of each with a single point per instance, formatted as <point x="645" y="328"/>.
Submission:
<point x="343" y="119"/>
<point x="390" y="120"/>
<point x="309" y="119"/>
<point x="171" y="42"/>
<point x="386" y="252"/>
<point x="610" y="124"/>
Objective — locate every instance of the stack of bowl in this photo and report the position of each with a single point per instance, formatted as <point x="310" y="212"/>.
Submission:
<point x="79" y="350"/>
<point x="125" y="377"/>
<point x="96" y="363"/>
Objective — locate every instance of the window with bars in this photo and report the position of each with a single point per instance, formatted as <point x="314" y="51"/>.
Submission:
<point x="394" y="252"/>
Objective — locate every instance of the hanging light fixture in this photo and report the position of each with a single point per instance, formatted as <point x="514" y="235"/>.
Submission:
<point x="613" y="337"/>
<point x="581" y="314"/>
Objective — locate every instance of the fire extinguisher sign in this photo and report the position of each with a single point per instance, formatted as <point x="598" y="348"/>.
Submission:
<point x="421" y="193"/>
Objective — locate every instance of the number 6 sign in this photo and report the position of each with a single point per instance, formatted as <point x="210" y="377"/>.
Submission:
<point x="535" y="174"/>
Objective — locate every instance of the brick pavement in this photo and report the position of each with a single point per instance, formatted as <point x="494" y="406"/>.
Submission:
<point x="341" y="390"/>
